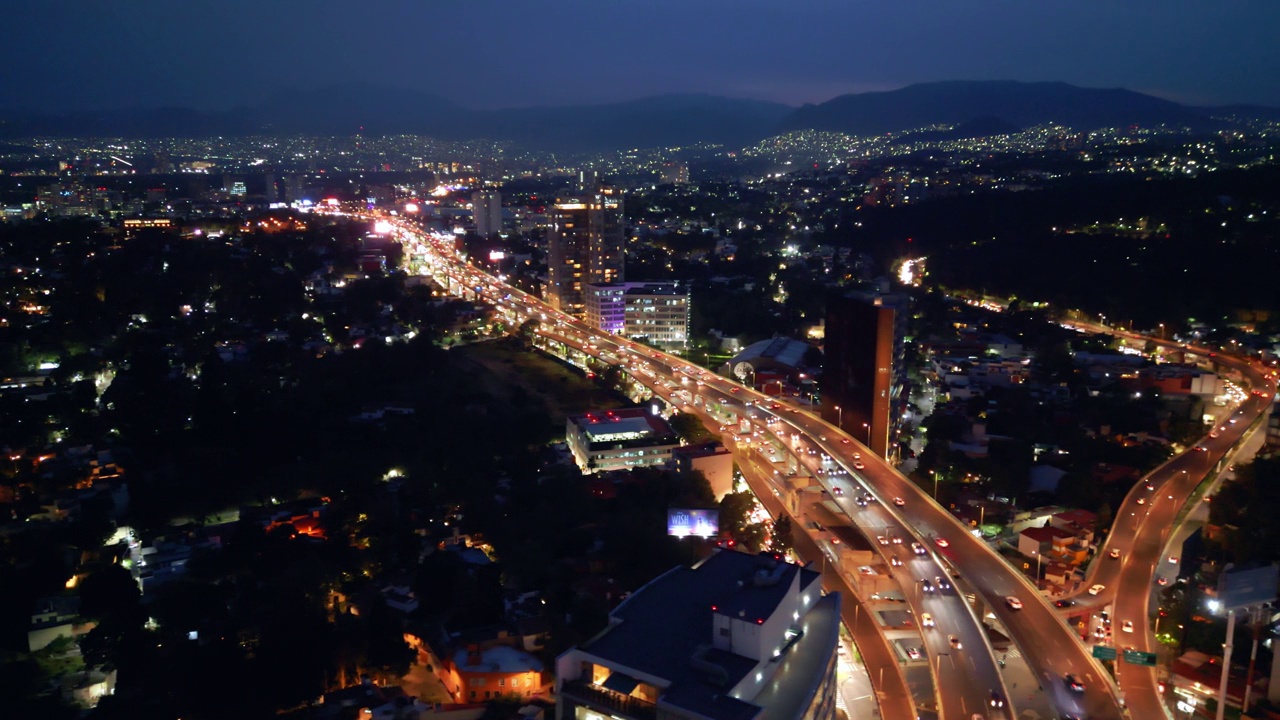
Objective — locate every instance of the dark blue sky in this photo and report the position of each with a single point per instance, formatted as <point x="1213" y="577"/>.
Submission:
<point x="497" y="53"/>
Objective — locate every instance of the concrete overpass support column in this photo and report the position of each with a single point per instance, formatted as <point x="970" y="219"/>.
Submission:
<point x="1226" y="664"/>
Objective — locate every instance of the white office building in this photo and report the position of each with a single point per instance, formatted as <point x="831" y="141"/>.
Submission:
<point x="656" y="312"/>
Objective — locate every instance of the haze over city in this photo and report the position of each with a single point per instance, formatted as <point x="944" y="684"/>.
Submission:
<point x="487" y="54"/>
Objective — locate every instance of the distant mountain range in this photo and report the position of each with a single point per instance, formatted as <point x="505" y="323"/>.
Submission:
<point x="1014" y="103"/>
<point x="977" y="108"/>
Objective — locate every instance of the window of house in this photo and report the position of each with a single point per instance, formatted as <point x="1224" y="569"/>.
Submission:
<point x="724" y="632"/>
<point x="502" y="682"/>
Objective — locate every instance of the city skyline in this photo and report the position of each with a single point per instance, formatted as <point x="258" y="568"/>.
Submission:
<point x="485" y="55"/>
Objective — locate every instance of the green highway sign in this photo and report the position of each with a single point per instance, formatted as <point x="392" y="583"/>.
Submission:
<point x="1103" y="652"/>
<point x="1136" y="657"/>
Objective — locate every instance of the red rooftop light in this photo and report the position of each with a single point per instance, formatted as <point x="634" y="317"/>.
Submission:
<point x="759" y="621"/>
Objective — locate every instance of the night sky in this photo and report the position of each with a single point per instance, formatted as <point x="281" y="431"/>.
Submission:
<point x="92" y="54"/>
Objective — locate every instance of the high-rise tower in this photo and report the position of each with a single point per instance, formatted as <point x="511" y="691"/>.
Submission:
<point x="863" y="380"/>
<point x="584" y="245"/>
<point x="486" y="210"/>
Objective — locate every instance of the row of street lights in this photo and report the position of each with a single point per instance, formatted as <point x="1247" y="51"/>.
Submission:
<point x="840" y="423"/>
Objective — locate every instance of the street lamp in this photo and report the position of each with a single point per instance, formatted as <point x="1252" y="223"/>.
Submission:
<point x="839" y="417"/>
<point x="1038" y="556"/>
<point x="934" y="473"/>
<point x="867" y="427"/>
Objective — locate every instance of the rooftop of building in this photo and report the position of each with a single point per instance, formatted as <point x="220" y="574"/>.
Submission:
<point x="706" y="449"/>
<point x="496" y="659"/>
<point x="643" y="288"/>
<point x="664" y="625"/>
<point x="787" y="695"/>
<point x="1046" y="534"/>
<point x="782" y="350"/>
<point x="1080" y="517"/>
<point x="621" y="424"/>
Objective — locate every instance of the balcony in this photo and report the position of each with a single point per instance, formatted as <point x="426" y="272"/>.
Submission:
<point x="598" y="697"/>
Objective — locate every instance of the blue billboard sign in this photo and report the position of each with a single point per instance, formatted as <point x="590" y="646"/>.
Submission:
<point x="1240" y="587"/>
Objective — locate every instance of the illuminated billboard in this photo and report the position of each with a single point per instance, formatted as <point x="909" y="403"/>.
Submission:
<point x="684" y="522"/>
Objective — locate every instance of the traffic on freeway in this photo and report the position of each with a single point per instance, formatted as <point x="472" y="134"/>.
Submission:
<point x="1137" y="546"/>
<point x="958" y="651"/>
<point x="885" y="504"/>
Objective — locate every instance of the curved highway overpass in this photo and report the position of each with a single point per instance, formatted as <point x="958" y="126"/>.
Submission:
<point x="964" y="678"/>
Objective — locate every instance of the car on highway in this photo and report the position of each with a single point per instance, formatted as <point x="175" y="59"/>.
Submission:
<point x="913" y="653"/>
<point x="1114" y="554"/>
<point x="1073" y="683"/>
<point x="1214" y="433"/>
<point x="897" y="539"/>
<point x="1064" y="603"/>
<point x="895" y="561"/>
<point x="899" y="502"/>
<point x="1127" y="626"/>
<point x="917" y="548"/>
<point x="882" y="540"/>
<point x="1162" y="581"/>
<point x="955" y="641"/>
<point x="844" y="440"/>
<point x="861" y="501"/>
<point x="941" y="542"/>
<point x="837" y="491"/>
<point x="857" y="465"/>
<point x="1095" y="589"/>
<point x="1013" y="603"/>
<point x="926" y="586"/>
<point x="942" y="583"/>
<point x="1173" y="559"/>
<point x="1200" y="448"/>
<point x="997" y="700"/>
<point x="926" y="620"/>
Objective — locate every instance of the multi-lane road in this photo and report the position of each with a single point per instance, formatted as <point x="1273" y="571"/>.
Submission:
<point x="1145" y="521"/>
<point x="966" y="676"/>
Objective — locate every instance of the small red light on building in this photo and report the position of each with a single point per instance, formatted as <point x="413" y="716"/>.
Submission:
<point x="759" y="621"/>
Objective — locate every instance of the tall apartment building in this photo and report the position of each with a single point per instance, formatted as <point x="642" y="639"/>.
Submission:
<point x="863" y="377"/>
<point x="735" y="637"/>
<point x="585" y="239"/>
<point x="656" y="312"/>
<point x="486" y="210"/>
